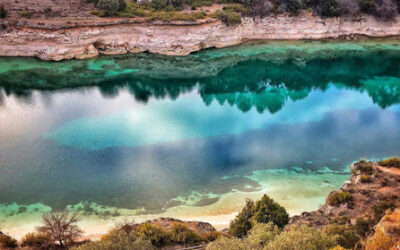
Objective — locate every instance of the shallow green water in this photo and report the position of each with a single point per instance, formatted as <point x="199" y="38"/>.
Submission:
<point x="191" y="137"/>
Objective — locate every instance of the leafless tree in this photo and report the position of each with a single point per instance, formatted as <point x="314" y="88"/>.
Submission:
<point x="61" y="226"/>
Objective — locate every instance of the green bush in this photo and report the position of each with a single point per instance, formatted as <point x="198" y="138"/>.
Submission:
<point x="301" y="237"/>
<point x="263" y="211"/>
<point x="36" y="240"/>
<point x="393" y="162"/>
<point x="3" y="11"/>
<point x="344" y="235"/>
<point x="7" y="242"/>
<point x="337" y="198"/>
<point x="242" y="222"/>
<point x="111" y="7"/>
<point x="155" y="234"/>
<point x="267" y="210"/>
<point x="117" y="240"/>
<point x="181" y="234"/>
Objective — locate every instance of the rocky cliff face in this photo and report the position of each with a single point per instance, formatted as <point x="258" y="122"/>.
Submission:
<point x="372" y="189"/>
<point x="69" y="40"/>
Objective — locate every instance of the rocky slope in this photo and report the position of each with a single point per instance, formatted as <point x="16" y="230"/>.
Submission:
<point x="373" y="189"/>
<point x="58" y="40"/>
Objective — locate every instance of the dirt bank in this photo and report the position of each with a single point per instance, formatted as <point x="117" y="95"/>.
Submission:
<point x="80" y="39"/>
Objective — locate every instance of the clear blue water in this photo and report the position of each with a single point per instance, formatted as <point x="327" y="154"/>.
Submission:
<point x="141" y="131"/>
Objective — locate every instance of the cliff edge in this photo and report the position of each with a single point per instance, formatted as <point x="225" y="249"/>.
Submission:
<point x="80" y="40"/>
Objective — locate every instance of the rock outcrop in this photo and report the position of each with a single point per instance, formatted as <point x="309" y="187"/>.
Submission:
<point x="372" y="189"/>
<point x="86" y="39"/>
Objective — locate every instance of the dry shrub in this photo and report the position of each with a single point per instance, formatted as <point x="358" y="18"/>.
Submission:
<point x="36" y="240"/>
<point x="393" y="162"/>
<point x="337" y="198"/>
<point x="7" y="242"/>
<point x="379" y="241"/>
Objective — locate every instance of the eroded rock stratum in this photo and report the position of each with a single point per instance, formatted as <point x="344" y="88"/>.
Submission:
<point x="58" y="41"/>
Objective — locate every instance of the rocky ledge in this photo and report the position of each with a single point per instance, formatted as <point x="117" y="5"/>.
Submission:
<point x="80" y="40"/>
<point x="371" y="190"/>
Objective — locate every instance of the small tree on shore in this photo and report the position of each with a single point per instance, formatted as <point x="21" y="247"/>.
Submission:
<point x="60" y="226"/>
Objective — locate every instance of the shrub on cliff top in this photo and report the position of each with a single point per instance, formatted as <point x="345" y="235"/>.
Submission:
<point x="393" y="162"/>
<point x="3" y="11"/>
<point x="337" y="198"/>
<point x="111" y="7"/>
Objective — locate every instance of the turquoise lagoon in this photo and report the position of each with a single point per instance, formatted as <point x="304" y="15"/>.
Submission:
<point x="136" y="137"/>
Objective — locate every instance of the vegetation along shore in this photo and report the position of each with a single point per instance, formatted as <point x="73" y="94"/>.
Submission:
<point x="362" y="214"/>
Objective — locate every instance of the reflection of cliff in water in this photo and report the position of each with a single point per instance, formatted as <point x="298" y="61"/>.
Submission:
<point x="244" y="76"/>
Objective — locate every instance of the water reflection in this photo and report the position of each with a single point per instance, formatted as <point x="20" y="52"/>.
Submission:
<point x="153" y="133"/>
<point x="261" y="79"/>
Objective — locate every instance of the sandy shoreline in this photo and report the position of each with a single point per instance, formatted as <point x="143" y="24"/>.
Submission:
<point x="286" y="187"/>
